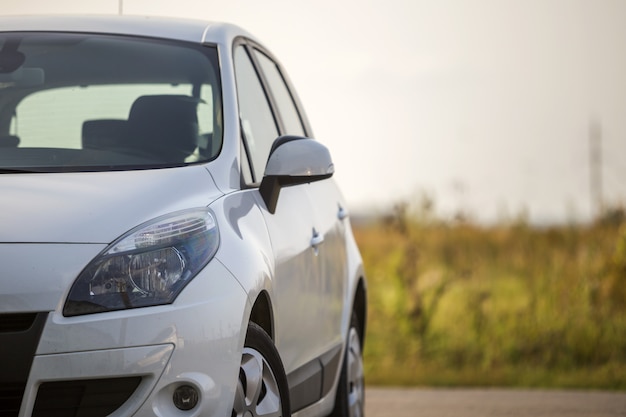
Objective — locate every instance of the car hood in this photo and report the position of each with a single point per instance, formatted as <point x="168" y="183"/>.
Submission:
<point x="95" y="207"/>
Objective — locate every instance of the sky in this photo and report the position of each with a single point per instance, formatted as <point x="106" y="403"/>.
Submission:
<point x="483" y="106"/>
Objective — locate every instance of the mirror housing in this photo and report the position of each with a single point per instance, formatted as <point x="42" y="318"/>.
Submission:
<point x="293" y="160"/>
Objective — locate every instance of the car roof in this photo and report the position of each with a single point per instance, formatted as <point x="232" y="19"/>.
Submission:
<point x="156" y="27"/>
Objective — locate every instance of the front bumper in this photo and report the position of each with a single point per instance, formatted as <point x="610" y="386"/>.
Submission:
<point x="140" y="356"/>
<point x="56" y="378"/>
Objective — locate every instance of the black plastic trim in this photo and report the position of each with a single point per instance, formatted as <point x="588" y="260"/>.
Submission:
<point x="11" y="399"/>
<point x="312" y="381"/>
<point x="19" y="337"/>
<point x="16" y="322"/>
<point x="17" y="349"/>
<point x="330" y="362"/>
<point x="84" y="398"/>
<point x="305" y="385"/>
<point x="272" y="184"/>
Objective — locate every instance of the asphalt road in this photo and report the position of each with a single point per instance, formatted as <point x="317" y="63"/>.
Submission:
<point x="406" y="402"/>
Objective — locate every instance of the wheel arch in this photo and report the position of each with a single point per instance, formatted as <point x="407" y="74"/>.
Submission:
<point x="262" y="315"/>
<point x="359" y="308"/>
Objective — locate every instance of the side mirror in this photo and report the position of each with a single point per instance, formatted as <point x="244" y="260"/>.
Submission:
<point x="293" y="160"/>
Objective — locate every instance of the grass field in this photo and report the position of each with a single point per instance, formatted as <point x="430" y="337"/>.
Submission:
<point x="458" y="304"/>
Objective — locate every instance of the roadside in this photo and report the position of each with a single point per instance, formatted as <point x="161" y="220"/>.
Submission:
<point x="426" y="402"/>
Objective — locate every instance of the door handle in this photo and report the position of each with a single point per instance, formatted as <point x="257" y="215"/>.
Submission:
<point x="342" y="214"/>
<point x="316" y="240"/>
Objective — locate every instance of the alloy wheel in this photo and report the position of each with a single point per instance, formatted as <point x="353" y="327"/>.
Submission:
<point x="355" y="380"/>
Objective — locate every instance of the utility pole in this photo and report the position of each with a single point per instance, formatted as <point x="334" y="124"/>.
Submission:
<point x="595" y="168"/>
<point x="120" y="7"/>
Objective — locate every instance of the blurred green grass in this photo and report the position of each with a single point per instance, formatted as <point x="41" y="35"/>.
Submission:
<point x="459" y="304"/>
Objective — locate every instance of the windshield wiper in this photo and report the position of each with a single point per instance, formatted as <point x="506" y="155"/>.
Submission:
<point x="19" y="171"/>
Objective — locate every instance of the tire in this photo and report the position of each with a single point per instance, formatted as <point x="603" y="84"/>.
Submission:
<point x="262" y="385"/>
<point x="350" y="400"/>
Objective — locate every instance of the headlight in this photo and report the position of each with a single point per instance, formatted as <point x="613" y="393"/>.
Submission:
<point x="148" y="266"/>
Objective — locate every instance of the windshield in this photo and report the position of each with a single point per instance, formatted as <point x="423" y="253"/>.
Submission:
<point x="73" y="102"/>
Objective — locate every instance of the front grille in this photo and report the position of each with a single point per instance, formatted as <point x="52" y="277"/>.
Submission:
<point x="19" y="337"/>
<point x="10" y="399"/>
<point x="83" y="398"/>
<point x="17" y="322"/>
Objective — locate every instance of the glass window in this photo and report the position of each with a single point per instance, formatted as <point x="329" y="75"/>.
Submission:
<point x="94" y="102"/>
<point x="257" y="119"/>
<point x="42" y="123"/>
<point x="284" y="100"/>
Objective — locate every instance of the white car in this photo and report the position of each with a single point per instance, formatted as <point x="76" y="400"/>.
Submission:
<point x="171" y="240"/>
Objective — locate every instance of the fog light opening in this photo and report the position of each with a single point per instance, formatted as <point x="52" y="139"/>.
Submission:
<point x="185" y="397"/>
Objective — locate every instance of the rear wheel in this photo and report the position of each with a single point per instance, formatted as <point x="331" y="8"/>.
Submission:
<point x="350" y="401"/>
<point x="262" y="386"/>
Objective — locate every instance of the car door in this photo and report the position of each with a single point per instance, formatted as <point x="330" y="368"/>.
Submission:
<point x="329" y="214"/>
<point x="329" y="217"/>
<point x="290" y="227"/>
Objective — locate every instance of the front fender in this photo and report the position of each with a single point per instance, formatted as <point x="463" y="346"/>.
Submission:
<point x="245" y="247"/>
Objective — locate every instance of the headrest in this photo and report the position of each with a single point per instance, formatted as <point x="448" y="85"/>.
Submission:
<point x="164" y="124"/>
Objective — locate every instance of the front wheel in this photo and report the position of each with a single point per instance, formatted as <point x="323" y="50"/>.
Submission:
<point x="350" y="401"/>
<point x="262" y="385"/>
